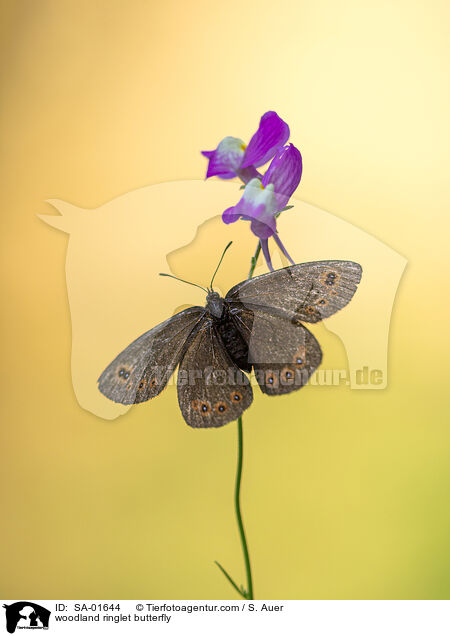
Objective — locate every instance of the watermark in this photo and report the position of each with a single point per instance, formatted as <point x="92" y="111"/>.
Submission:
<point x="364" y="377"/>
<point x="26" y="615"/>
<point x="116" y="252"/>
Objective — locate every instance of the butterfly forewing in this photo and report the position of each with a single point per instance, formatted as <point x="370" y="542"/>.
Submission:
<point x="284" y="354"/>
<point x="143" y="369"/>
<point x="212" y="390"/>
<point x="307" y="292"/>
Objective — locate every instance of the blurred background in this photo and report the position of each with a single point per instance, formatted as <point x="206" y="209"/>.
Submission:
<point x="345" y="493"/>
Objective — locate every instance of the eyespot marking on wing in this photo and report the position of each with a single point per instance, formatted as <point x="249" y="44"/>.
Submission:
<point x="330" y="278"/>
<point x="220" y="407"/>
<point x="271" y="379"/>
<point x="299" y="358"/>
<point x="287" y="375"/>
<point x="236" y="396"/>
<point x="205" y="408"/>
<point x="123" y="373"/>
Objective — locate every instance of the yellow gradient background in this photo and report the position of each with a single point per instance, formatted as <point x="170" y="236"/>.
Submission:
<point x="345" y="493"/>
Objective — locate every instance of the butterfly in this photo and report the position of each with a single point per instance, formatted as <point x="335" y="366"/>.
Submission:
<point x="258" y="326"/>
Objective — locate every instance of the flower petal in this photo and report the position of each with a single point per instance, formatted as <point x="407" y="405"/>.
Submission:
<point x="247" y="174"/>
<point x="257" y="205"/>
<point x="282" y="248"/>
<point x="264" y="227"/>
<point x="256" y="197"/>
<point x="265" y="250"/>
<point x="284" y="173"/>
<point x="272" y="133"/>
<point x="225" y="160"/>
<point x="230" y="215"/>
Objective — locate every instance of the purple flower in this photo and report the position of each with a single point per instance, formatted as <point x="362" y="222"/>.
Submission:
<point x="264" y="198"/>
<point x="284" y="172"/>
<point x="257" y="205"/>
<point x="232" y="158"/>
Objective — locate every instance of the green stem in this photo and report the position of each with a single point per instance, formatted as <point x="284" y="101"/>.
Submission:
<point x="248" y="593"/>
<point x="237" y="504"/>
<point x="242" y="592"/>
<point x="254" y="260"/>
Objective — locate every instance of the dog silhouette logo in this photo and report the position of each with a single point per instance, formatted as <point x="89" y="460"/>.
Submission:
<point x="26" y="615"/>
<point x="115" y="252"/>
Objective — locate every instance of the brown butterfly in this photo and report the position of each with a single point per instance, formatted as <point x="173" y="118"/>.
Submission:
<point x="256" y="326"/>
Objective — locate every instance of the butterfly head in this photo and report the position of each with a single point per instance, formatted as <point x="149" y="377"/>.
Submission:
<point x="214" y="303"/>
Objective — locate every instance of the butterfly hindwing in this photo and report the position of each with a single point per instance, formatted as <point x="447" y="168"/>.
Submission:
<point x="212" y="390"/>
<point x="307" y="292"/>
<point x="284" y="354"/>
<point x="143" y="369"/>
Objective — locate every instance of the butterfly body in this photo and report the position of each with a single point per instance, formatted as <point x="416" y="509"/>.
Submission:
<point x="257" y="326"/>
<point x="227" y="329"/>
<point x="215" y="304"/>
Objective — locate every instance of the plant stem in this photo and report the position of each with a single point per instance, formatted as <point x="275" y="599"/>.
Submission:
<point x="237" y="504"/>
<point x="254" y="260"/>
<point x="248" y="593"/>
<point x="237" y="494"/>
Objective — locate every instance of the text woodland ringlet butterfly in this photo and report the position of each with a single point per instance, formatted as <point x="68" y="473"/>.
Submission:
<point x="258" y="325"/>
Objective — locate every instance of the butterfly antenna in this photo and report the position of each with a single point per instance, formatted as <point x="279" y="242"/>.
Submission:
<point x="217" y="268"/>
<point x="184" y="281"/>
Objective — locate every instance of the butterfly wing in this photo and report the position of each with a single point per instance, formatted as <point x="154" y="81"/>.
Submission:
<point x="307" y="292"/>
<point x="284" y="354"/>
<point x="143" y="369"/>
<point x="212" y="390"/>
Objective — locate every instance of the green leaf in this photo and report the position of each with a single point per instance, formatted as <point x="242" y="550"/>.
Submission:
<point x="242" y="592"/>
